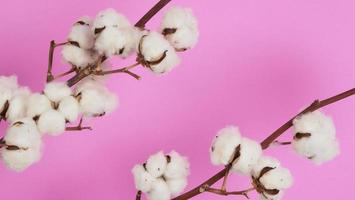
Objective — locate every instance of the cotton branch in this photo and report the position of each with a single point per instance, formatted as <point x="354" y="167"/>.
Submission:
<point x="52" y="46"/>
<point x="153" y="11"/>
<point x="269" y="140"/>
<point x="225" y="193"/>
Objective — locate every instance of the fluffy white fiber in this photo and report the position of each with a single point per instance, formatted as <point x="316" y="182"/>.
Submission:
<point x="69" y="107"/>
<point x="24" y="135"/>
<point x="82" y="34"/>
<point x="162" y="176"/>
<point x="176" y="186"/>
<point x="160" y="191"/>
<point x="277" y="177"/>
<point x="156" y="164"/>
<point x="51" y="122"/>
<point x="110" y="18"/>
<point x="264" y="161"/>
<point x="322" y="145"/>
<point x="38" y="104"/>
<point x="78" y="57"/>
<point x="177" y="167"/>
<point x="8" y="84"/>
<point x="250" y="152"/>
<point x="56" y="91"/>
<point x="184" y="23"/>
<point x="224" y="145"/>
<point x="111" y="41"/>
<point x="95" y="99"/>
<point x="18" y="104"/>
<point x="153" y="47"/>
<point x="143" y="180"/>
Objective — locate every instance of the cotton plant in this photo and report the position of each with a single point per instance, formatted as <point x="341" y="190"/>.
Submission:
<point x="87" y="49"/>
<point x="162" y="177"/>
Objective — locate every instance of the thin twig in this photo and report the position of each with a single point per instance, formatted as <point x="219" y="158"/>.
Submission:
<point x="225" y="178"/>
<point x="52" y="46"/>
<point x="225" y="193"/>
<point x="79" y="127"/>
<point x="314" y="106"/>
<point x="122" y="70"/>
<point x="278" y="143"/>
<point x="64" y="74"/>
<point x="153" y="11"/>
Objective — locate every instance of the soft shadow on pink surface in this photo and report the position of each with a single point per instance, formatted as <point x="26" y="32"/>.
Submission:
<point x="257" y="63"/>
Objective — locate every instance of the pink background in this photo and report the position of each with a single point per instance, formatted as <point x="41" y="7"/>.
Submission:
<point x="256" y="64"/>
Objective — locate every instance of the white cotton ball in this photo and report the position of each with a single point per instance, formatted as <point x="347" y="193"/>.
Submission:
<point x="160" y="191"/>
<point x="51" y="122"/>
<point x="69" y="107"/>
<point x="156" y="164"/>
<point x="143" y="180"/>
<point x="78" y="57"/>
<point x="37" y="104"/>
<point x="95" y="99"/>
<point x="24" y="135"/>
<point x="153" y="47"/>
<point x="314" y="123"/>
<point x="18" y="104"/>
<point x="264" y="161"/>
<point x="179" y="26"/>
<point x="178" y="167"/>
<point x="56" y="91"/>
<point x="82" y="34"/>
<point x="250" y="152"/>
<point x="110" y="18"/>
<point x="318" y="148"/>
<point x="110" y="41"/>
<point x="224" y="145"/>
<point x="279" y="178"/>
<point x="266" y="196"/>
<point x="132" y="37"/>
<point x="8" y="84"/>
<point x="176" y="186"/>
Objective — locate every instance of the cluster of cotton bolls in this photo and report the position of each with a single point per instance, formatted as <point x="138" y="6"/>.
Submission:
<point x="162" y="176"/>
<point x="111" y="34"/>
<point x="315" y="137"/>
<point x="32" y="115"/>
<point x="245" y="156"/>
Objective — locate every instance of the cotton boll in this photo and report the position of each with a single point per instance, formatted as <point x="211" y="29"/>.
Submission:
<point x="81" y="33"/>
<point x="153" y="47"/>
<point x="69" y="107"/>
<point x="78" y="57"/>
<point x="279" y="178"/>
<point x="111" y="41"/>
<point x="318" y="148"/>
<point x="176" y="186"/>
<point x="156" y="164"/>
<point x="132" y="36"/>
<point x="264" y="161"/>
<point x="18" y="104"/>
<point x="56" y="91"/>
<point x="178" y="167"/>
<point x="95" y="99"/>
<point x="143" y="180"/>
<point x="51" y="122"/>
<point x="179" y="26"/>
<point x="224" y="145"/>
<point x="314" y="123"/>
<point x="37" y="104"/>
<point x="8" y="84"/>
<point x="24" y="135"/>
<point x="250" y="152"/>
<point x="160" y="191"/>
<point x="110" y="18"/>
